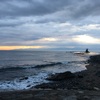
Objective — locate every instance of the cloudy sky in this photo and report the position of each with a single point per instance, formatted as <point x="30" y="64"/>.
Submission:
<point x="49" y="24"/>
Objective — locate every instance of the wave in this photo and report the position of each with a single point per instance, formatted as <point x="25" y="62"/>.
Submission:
<point x="21" y="67"/>
<point x="46" y="65"/>
<point x="77" y="62"/>
<point x="51" y="64"/>
<point x="17" y="67"/>
<point x="24" y="83"/>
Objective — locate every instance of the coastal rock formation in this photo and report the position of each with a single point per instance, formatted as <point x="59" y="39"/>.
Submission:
<point x="87" y="51"/>
<point x="24" y="78"/>
<point x="98" y="74"/>
<point x="86" y="80"/>
<point x="95" y="59"/>
<point x="62" y="76"/>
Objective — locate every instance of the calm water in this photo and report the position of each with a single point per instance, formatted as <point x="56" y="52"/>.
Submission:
<point x="25" y="69"/>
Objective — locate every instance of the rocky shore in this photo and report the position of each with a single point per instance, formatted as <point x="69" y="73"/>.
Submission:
<point x="83" y="85"/>
<point x="85" y="80"/>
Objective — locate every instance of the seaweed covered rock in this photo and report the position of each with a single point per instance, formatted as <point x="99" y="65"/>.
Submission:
<point x="61" y="76"/>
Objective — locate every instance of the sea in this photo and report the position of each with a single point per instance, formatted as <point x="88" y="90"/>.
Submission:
<point x="21" y="70"/>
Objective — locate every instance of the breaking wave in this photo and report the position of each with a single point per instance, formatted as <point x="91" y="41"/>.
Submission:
<point x="23" y="83"/>
<point x="21" y="67"/>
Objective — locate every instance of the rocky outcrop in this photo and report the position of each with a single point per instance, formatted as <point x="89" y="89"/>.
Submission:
<point x="95" y="59"/>
<point x="98" y="74"/>
<point x="61" y="76"/>
<point x="87" y="51"/>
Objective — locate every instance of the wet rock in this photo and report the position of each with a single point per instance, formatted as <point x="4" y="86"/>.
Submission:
<point x="95" y="59"/>
<point x="96" y="88"/>
<point x="80" y="76"/>
<point x="98" y="74"/>
<point x="28" y="85"/>
<point x="83" y="98"/>
<point x="71" y="97"/>
<point x="24" y="78"/>
<point x="87" y="98"/>
<point x="81" y="92"/>
<point x="62" y="76"/>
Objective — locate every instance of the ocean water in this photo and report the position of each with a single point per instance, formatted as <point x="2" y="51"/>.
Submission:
<point x="25" y="69"/>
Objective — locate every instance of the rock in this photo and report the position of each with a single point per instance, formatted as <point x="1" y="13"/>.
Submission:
<point x="28" y="85"/>
<point x="81" y="92"/>
<point x="98" y="74"/>
<point x="80" y="76"/>
<point x="62" y="76"/>
<point x="87" y="51"/>
<point x="96" y="88"/>
<point x="24" y="78"/>
<point x="87" y="98"/>
<point x="71" y="97"/>
<point x="83" y="98"/>
<point x="95" y="59"/>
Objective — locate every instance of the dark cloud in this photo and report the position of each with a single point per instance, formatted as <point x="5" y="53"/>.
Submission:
<point x="68" y="9"/>
<point x="10" y="24"/>
<point x="85" y="9"/>
<point x="73" y="9"/>
<point x="31" y="7"/>
<point x="24" y="21"/>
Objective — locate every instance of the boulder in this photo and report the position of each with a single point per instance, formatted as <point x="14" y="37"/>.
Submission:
<point x="61" y="76"/>
<point x="95" y="59"/>
<point x="24" y="78"/>
<point x="98" y="74"/>
<point x="87" y="51"/>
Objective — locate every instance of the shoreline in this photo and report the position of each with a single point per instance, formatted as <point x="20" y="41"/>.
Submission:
<point x="84" y="86"/>
<point x="86" y="80"/>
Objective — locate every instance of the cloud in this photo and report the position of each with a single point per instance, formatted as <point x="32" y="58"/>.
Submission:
<point x="47" y="40"/>
<point x="91" y="27"/>
<point x="31" y="7"/>
<point x="85" y="9"/>
<point x="57" y="23"/>
<point x="85" y="39"/>
<point x="60" y="8"/>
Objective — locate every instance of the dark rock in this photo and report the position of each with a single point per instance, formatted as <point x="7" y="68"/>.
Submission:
<point x="87" y="51"/>
<point x="96" y="88"/>
<point x="80" y="76"/>
<point x="83" y="98"/>
<point x="24" y="78"/>
<point x="98" y="74"/>
<point x="62" y="76"/>
<point x="94" y="59"/>
<point x="28" y="85"/>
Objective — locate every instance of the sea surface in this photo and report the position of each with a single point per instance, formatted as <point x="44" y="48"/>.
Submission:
<point x="25" y="69"/>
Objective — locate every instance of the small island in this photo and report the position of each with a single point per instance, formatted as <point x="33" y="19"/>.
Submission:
<point x="87" y="51"/>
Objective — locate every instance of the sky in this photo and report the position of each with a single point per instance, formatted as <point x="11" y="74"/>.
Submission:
<point x="49" y="24"/>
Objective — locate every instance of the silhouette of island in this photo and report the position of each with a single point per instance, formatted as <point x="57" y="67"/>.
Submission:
<point x="87" y="51"/>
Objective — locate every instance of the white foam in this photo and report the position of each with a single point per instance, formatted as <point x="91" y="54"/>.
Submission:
<point x="19" y="84"/>
<point x="93" y="53"/>
<point x="83" y="53"/>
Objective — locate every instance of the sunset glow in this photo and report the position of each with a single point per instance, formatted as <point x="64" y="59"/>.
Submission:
<point x="49" y="24"/>
<point x="19" y="47"/>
